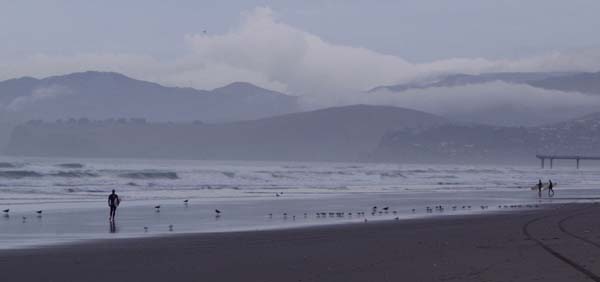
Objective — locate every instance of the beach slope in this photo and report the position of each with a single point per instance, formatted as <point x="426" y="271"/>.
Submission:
<point x="556" y="243"/>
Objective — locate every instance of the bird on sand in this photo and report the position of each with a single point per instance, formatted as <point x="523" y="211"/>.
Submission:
<point x="6" y="210"/>
<point x="157" y="208"/>
<point x="217" y="213"/>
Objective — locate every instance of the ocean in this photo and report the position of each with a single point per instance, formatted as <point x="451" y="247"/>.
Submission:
<point x="72" y="194"/>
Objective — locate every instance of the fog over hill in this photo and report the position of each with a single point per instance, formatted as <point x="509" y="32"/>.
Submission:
<point x="104" y="95"/>
<point x="335" y="134"/>
<point x="505" y="99"/>
<point x="101" y="95"/>
<point x="469" y="79"/>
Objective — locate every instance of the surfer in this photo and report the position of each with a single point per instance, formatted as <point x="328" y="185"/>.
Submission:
<point x="550" y="188"/>
<point x="113" y="203"/>
<point x="539" y="186"/>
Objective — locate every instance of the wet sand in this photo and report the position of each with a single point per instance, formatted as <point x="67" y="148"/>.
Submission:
<point x="556" y="243"/>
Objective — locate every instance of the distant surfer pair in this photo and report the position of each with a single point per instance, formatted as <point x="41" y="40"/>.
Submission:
<point x="113" y="203"/>
<point x="549" y="185"/>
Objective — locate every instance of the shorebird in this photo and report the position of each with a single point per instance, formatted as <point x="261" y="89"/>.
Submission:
<point x="386" y="209"/>
<point x="217" y="213"/>
<point x="6" y="210"/>
<point x="145" y="228"/>
<point x="39" y="212"/>
<point x="157" y="208"/>
<point x="170" y="227"/>
<point x="186" y="201"/>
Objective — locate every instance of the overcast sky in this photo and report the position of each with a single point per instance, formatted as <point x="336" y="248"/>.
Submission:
<point x="288" y="44"/>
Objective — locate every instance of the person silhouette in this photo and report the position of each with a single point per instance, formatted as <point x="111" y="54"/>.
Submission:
<point x="550" y="189"/>
<point x="539" y="186"/>
<point x="113" y="203"/>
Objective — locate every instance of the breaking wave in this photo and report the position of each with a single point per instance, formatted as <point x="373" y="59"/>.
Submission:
<point x="151" y="175"/>
<point x="74" y="174"/>
<point x="16" y="174"/>
<point x="71" y="165"/>
<point x="9" y="165"/>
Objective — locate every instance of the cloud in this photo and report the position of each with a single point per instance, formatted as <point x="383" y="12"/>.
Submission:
<point x="39" y="94"/>
<point x="494" y="102"/>
<point x="270" y="53"/>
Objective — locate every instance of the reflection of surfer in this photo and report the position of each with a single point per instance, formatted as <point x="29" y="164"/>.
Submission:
<point x="550" y="188"/>
<point x="539" y="186"/>
<point x="113" y="203"/>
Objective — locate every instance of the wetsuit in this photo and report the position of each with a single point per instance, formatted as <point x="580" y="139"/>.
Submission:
<point x="113" y="202"/>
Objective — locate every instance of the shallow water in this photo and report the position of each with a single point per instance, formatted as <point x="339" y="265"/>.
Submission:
<point x="72" y="194"/>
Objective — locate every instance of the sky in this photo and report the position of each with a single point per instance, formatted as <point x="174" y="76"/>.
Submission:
<point x="298" y="47"/>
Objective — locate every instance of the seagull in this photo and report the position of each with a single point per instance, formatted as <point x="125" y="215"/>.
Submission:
<point x="39" y="212"/>
<point x="157" y="208"/>
<point x="218" y="213"/>
<point x="6" y="210"/>
<point x="186" y="201"/>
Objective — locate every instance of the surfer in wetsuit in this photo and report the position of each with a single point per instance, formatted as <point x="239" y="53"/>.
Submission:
<point x="113" y="203"/>
<point x="550" y="189"/>
<point x="540" y="185"/>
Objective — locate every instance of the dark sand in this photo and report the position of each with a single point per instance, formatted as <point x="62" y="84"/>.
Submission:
<point x="559" y="243"/>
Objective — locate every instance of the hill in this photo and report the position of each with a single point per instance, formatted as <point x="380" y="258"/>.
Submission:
<point x="334" y="134"/>
<point x="470" y="143"/>
<point x="101" y="95"/>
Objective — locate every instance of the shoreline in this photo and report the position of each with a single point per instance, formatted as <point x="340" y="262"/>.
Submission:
<point x="555" y="243"/>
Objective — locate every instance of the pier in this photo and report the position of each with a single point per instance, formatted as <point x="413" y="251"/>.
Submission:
<point x="565" y="157"/>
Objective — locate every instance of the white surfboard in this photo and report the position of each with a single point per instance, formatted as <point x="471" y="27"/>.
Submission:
<point x="545" y="186"/>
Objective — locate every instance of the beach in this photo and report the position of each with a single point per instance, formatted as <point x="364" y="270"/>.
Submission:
<point x="556" y="242"/>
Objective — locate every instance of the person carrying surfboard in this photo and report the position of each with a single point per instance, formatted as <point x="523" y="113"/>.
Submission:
<point x="113" y="203"/>
<point x="539" y="186"/>
<point x="550" y="189"/>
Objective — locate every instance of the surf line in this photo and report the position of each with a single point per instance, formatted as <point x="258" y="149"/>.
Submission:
<point x="556" y="254"/>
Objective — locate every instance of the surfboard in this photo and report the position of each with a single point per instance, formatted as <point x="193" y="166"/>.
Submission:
<point x="545" y="186"/>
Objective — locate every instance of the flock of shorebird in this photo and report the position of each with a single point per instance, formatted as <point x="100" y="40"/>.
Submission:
<point x="7" y="211"/>
<point x="361" y="214"/>
<point x="375" y="211"/>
